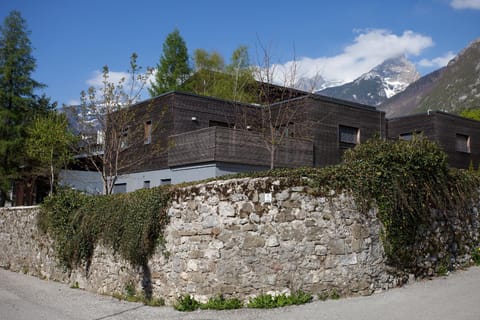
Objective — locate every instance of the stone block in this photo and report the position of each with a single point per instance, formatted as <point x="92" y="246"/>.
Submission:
<point x="359" y="231"/>
<point x="272" y="241"/>
<point x="210" y="222"/>
<point x="192" y="265"/>
<point x="357" y="245"/>
<point x="226" y="209"/>
<point x="254" y="218"/>
<point x="283" y="195"/>
<point x="321" y="250"/>
<point x="253" y="241"/>
<point x="285" y="215"/>
<point x="336" y="246"/>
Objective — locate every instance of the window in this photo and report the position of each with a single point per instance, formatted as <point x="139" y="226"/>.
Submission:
<point x="146" y="184"/>
<point x="406" y="136"/>
<point x="409" y="135"/>
<point x="119" y="188"/>
<point x="124" y="138"/>
<point x="148" y="132"/>
<point x="462" y="143"/>
<point x="165" y="181"/>
<point x="348" y="136"/>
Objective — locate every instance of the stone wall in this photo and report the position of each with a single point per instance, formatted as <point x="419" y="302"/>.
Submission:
<point x="229" y="238"/>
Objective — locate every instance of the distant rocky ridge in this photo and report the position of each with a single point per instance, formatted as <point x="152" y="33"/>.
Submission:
<point x="453" y="88"/>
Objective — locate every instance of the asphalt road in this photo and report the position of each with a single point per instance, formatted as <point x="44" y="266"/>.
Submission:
<point x="456" y="297"/>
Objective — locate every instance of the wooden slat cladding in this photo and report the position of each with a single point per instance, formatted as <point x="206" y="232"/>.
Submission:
<point x="315" y="118"/>
<point x="322" y="118"/>
<point x="235" y="146"/>
<point x="444" y="129"/>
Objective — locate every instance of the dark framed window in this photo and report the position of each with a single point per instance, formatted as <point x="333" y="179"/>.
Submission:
<point x="148" y="132"/>
<point x="348" y="136"/>
<point x="124" y="138"/>
<point x="462" y="143"/>
<point x="406" y="136"/>
<point x="165" y="181"/>
<point x="409" y="135"/>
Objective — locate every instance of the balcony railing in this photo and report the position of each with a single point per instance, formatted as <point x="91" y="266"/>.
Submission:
<point x="236" y="146"/>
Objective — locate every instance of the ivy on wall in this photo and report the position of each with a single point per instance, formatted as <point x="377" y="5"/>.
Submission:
<point x="131" y="224"/>
<point x="405" y="180"/>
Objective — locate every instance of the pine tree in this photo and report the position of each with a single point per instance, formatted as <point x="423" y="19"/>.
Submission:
<point x="17" y="97"/>
<point x="173" y="68"/>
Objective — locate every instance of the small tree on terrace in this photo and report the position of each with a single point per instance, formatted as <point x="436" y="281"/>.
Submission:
<point x="105" y="123"/>
<point x="225" y="81"/>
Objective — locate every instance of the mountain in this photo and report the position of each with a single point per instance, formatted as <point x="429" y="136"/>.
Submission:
<point x="376" y="86"/>
<point x="452" y="88"/>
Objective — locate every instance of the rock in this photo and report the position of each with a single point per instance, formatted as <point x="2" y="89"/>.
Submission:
<point x="272" y="241"/>
<point x="253" y="241"/>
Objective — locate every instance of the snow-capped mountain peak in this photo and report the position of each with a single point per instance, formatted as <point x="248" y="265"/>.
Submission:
<point x="382" y="82"/>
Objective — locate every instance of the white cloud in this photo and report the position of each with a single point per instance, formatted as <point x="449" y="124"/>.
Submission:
<point x="114" y="77"/>
<point x="369" y="48"/>
<point x="117" y="77"/>
<point x="465" y="4"/>
<point x="437" y="62"/>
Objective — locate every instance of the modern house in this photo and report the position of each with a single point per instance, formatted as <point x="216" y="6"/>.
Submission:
<point x="459" y="137"/>
<point x="188" y="137"/>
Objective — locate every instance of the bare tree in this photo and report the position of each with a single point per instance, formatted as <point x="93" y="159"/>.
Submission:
<point x="108" y="124"/>
<point x="279" y="111"/>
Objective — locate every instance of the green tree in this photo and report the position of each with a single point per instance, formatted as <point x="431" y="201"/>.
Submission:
<point x="16" y="96"/>
<point x="471" y="113"/>
<point x="173" y="69"/>
<point x="49" y="144"/>
<point x="214" y="78"/>
<point x="204" y="60"/>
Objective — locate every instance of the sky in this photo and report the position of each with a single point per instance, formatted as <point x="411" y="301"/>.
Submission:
<point x="339" y="40"/>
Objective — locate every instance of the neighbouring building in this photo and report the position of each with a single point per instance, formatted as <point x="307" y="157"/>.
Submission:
<point x="187" y="137"/>
<point x="459" y="137"/>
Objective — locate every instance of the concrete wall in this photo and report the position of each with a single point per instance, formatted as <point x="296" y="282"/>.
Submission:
<point x="229" y="238"/>
<point x="91" y="181"/>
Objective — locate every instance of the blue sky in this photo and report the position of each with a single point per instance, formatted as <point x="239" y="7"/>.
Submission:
<point x="339" y="40"/>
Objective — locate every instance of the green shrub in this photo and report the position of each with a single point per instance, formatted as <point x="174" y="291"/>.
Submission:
<point x="220" y="303"/>
<point x="186" y="303"/>
<point x="267" y="301"/>
<point x="406" y="180"/>
<point x="131" y="224"/>
<point x="476" y="256"/>
<point x="333" y="294"/>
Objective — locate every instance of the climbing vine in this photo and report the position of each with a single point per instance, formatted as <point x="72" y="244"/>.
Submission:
<point x="131" y="224"/>
<point x="405" y="180"/>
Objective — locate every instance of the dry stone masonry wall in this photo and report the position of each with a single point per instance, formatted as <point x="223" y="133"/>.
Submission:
<point x="238" y="238"/>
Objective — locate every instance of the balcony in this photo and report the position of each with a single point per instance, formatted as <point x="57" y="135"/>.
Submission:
<point x="235" y="146"/>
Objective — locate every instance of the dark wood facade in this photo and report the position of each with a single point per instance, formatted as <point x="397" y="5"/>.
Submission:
<point x="180" y="133"/>
<point x="236" y="146"/>
<point x="459" y="137"/>
<point x="322" y="118"/>
<point x="186" y="129"/>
